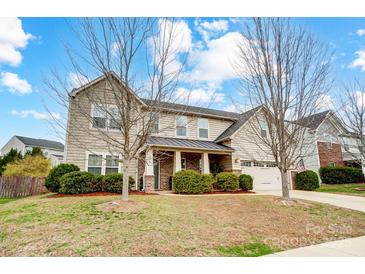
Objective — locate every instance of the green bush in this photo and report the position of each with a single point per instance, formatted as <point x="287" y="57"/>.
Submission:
<point x="206" y="183"/>
<point x="99" y="180"/>
<point x="227" y="181"/>
<point x="78" y="182"/>
<point x="10" y="157"/>
<point x="52" y="182"/>
<point x="113" y="182"/>
<point x="190" y="181"/>
<point x="246" y="182"/>
<point x="34" y="166"/>
<point x="306" y="180"/>
<point x="341" y="175"/>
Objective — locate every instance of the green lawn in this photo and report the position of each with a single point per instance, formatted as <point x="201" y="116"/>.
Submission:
<point x="348" y="189"/>
<point x="6" y="200"/>
<point x="238" y="225"/>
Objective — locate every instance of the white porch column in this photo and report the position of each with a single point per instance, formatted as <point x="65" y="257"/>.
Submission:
<point x="177" y="161"/>
<point x="149" y="163"/>
<point x="205" y="163"/>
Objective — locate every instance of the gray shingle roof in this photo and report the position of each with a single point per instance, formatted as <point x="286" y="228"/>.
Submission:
<point x="196" y="110"/>
<point x="242" y="118"/>
<point x="185" y="143"/>
<point x="313" y="121"/>
<point x="41" y="143"/>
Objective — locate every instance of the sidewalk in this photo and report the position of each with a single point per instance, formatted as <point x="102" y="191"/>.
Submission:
<point x="352" y="247"/>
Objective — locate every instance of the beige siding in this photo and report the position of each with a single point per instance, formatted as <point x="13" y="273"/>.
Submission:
<point x="81" y="137"/>
<point x="167" y="127"/>
<point x="13" y="143"/>
<point x="248" y="146"/>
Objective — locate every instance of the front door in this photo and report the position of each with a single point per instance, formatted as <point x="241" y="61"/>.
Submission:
<point x="156" y="173"/>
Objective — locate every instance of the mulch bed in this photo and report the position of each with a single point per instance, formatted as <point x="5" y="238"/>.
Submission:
<point x="98" y="194"/>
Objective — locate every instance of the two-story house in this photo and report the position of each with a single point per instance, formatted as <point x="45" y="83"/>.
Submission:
<point x="202" y="139"/>
<point x="53" y="150"/>
<point x="330" y="144"/>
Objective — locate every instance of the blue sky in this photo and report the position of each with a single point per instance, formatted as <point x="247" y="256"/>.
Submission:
<point x="30" y="47"/>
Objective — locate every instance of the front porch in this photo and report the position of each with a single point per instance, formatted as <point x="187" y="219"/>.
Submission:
<point x="158" y="164"/>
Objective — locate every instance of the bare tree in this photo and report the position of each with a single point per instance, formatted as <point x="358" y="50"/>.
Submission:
<point x="139" y="58"/>
<point x="351" y="112"/>
<point x="283" y="68"/>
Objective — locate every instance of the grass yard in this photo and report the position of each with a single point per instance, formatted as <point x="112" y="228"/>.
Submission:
<point x="6" y="200"/>
<point x="242" y="225"/>
<point x="347" y="189"/>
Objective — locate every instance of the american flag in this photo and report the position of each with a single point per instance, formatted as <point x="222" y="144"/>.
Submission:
<point x="300" y="165"/>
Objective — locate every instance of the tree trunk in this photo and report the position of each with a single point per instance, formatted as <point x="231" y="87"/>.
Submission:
<point x="363" y="166"/>
<point x="125" y="180"/>
<point x="285" y="185"/>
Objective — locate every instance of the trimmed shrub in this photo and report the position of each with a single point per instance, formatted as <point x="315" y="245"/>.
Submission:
<point x="113" y="182"/>
<point x="341" y="175"/>
<point x="99" y="181"/>
<point x="78" y="182"/>
<point x="246" y="182"/>
<point x="191" y="182"/>
<point x="52" y="181"/>
<point x="227" y="181"/>
<point x="306" y="180"/>
<point x="34" y="166"/>
<point x="206" y="183"/>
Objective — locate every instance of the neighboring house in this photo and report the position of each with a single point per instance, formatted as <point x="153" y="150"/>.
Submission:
<point x="329" y="143"/>
<point x="51" y="149"/>
<point x="201" y="139"/>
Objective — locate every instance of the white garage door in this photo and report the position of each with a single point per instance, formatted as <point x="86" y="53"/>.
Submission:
<point x="265" y="176"/>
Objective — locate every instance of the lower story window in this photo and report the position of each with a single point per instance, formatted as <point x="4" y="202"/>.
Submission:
<point x="111" y="165"/>
<point x="271" y="165"/>
<point x="95" y="163"/>
<point x="331" y="164"/>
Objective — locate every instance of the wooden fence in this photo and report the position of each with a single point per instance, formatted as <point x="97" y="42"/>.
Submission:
<point x="11" y="187"/>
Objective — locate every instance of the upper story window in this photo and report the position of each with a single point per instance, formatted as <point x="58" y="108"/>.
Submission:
<point x="203" y="128"/>
<point x="263" y="127"/>
<point x="114" y="120"/>
<point x="155" y="122"/>
<point x="328" y="142"/>
<point x="181" y="125"/>
<point x="103" y="118"/>
<point x="98" y="117"/>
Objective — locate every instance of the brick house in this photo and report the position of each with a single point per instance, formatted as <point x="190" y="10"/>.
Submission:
<point x="332" y="145"/>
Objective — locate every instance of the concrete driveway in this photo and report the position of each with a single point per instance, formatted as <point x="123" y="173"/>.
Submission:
<point x="352" y="247"/>
<point x="346" y="201"/>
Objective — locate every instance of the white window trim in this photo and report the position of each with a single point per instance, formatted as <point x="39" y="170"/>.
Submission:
<point x="103" y="161"/>
<point x="265" y="129"/>
<point x="107" y="128"/>
<point x="187" y="123"/>
<point x="158" y="125"/>
<point x="205" y="138"/>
